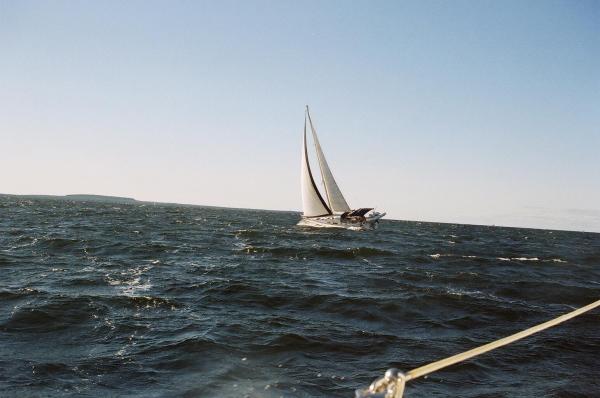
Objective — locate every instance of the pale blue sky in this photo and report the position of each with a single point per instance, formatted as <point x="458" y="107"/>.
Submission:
<point x="475" y="112"/>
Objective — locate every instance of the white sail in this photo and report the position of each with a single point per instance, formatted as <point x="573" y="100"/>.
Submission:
<point x="336" y="200"/>
<point x="312" y="202"/>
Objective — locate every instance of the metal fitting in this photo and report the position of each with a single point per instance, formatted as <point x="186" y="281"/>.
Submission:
<point x="391" y="385"/>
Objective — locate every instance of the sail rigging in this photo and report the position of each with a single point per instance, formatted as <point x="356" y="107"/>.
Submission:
<point x="313" y="204"/>
<point x="337" y="202"/>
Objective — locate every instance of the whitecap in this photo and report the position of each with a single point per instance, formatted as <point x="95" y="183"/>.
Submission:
<point x="462" y="292"/>
<point x="525" y="258"/>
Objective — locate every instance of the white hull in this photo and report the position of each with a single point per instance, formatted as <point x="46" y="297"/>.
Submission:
<point x="335" y="221"/>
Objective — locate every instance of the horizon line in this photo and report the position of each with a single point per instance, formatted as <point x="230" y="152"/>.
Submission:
<point x="48" y="196"/>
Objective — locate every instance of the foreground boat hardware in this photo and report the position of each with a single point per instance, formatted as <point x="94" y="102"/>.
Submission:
<point x="333" y="212"/>
<point x="391" y="385"/>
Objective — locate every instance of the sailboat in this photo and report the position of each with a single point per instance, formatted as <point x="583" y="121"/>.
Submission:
<point x="330" y="210"/>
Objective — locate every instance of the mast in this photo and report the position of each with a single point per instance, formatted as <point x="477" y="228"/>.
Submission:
<point x="313" y="204"/>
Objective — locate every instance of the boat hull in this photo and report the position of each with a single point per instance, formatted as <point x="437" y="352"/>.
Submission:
<point x="336" y="221"/>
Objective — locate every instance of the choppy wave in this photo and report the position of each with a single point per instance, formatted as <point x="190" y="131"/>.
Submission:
<point x="332" y="252"/>
<point x="165" y="300"/>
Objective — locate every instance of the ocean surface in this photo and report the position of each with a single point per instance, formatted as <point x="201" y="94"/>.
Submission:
<point x="142" y="300"/>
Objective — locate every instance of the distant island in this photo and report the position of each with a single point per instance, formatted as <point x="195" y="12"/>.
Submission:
<point x="100" y="198"/>
<point x="81" y="198"/>
<point x="124" y="200"/>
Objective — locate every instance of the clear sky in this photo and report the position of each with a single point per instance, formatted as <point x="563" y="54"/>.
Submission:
<point x="474" y="112"/>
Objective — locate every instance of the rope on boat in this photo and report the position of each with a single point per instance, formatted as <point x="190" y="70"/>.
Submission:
<point x="391" y="385"/>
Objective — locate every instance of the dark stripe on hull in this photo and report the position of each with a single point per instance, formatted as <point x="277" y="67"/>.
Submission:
<point x="322" y="215"/>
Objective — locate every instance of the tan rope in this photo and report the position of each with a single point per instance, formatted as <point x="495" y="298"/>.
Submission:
<point x="434" y="366"/>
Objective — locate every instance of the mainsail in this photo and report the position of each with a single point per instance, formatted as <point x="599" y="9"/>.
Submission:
<point x="336" y="200"/>
<point x="313" y="204"/>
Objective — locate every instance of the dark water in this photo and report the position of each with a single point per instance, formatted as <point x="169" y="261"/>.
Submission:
<point x="153" y="301"/>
